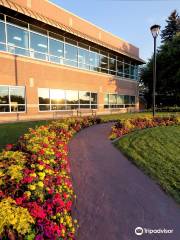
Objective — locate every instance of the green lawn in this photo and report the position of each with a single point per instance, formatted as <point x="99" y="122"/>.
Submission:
<point x="123" y="116"/>
<point x="157" y="152"/>
<point x="9" y="133"/>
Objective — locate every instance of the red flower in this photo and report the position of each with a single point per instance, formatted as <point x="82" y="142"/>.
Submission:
<point x="9" y="147"/>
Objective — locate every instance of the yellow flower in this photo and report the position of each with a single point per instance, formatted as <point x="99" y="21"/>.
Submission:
<point x="32" y="187"/>
<point x="40" y="167"/>
<point x="28" y="193"/>
<point x="40" y="184"/>
<point x="33" y="175"/>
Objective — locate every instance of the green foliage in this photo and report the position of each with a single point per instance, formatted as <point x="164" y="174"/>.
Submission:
<point x="156" y="151"/>
<point x="168" y="74"/>
<point x="172" y="27"/>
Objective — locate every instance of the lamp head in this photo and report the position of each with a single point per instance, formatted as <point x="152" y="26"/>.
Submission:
<point x="155" y="29"/>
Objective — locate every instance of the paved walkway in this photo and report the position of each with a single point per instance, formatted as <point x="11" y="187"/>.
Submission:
<point x="114" y="196"/>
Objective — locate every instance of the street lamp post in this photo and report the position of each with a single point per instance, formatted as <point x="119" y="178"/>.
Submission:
<point x="155" y="32"/>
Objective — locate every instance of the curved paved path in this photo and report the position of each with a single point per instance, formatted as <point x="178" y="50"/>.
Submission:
<point x="114" y="196"/>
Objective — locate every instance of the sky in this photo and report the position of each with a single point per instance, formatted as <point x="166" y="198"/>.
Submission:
<point x="128" y="19"/>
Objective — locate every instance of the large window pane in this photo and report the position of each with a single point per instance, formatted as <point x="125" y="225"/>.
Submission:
<point x="126" y="99"/>
<point x="120" y="69"/>
<point x="83" y="58"/>
<point x="72" y="97"/>
<point x="4" y="108"/>
<point x="17" y="95"/>
<point x="39" y="43"/>
<point x="120" y="99"/>
<point x="70" y="52"/>
<point x="104" y="61"/>
<point x="132" y="99"/>
<point x="4" y="95"/>
<point x="56" y="48"/>
<point x="17" y="37"/>
<point x="106" y="99"/>
<point x="2" y="32"/>
<point x="112" y="65"/>
<point x="113" y="98"/>
<point x="127" y="70"/>
<point x="57" y="96"/>
<point x="84" y="97"/>
<point x="44" y="107"/>
<point x="43" y="94"/>
<point x="93" y="98"/>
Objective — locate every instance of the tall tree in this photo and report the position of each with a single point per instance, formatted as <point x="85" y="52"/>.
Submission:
<point x="172" y="27"/>
<point x="168" y="74"/>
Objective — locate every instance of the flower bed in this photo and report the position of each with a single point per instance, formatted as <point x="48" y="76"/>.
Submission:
<point x="36" y="193"/>
<point x="123" y="127"/>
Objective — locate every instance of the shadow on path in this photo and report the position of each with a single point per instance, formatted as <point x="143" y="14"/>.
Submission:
<point x="114" y="196"/>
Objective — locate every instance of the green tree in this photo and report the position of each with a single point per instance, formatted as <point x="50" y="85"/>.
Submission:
<point x="168" y="74"/>
<point x="172" y="27"/>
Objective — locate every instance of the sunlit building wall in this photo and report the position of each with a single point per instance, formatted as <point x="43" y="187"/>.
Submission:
<point x="61" y="64"/>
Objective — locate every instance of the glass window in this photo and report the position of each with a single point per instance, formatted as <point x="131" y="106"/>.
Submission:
<point x="58" y="107"/>
<point x="120" y="99"/>
<point x="2" y="32"/>
<point x="84" y="97"/>
<point x="106" y="98"/>
<point x="120" y="69"/>
<point x="83" y="58"/>
<point x="132" y="99"/>
<point x="43" y="94"/>
<point x="4" y="95"/>
<point x="4" y="108"/>
<point x="127" y="70"/>
<point x="112" y="65"/>
<point x="72" y="97"/>
<point x="126" y="99"/>
<point x="44" y="107"/>
<point x="93" y="98"/>
<point x="104" y="61"/>
<point x="57" y="96"/>
<point x="71" y="55"/>
<point x="17" y="22"/>
<point x="56" y="48"/>
<point x="70" y="52"/>
<point x="68" y="40"/>
<point x="113" y="98"/>
<point x="17" y="37"/>
<point x="17" y="95"/>
<point x="39" y="43"/>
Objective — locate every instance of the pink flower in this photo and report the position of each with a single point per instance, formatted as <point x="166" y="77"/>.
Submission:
<point x="9" y="147"/>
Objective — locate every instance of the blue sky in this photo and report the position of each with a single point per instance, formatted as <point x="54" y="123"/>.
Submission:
<point x="128" y="19"/>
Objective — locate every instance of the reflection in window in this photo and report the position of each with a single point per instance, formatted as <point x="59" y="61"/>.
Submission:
<point x="83" y="58"/>
<point x="12" y="99"/>
<point x="4" y="95"/>
<point x="120" y="99"/>
<point x="104" y="62"/>
<point x="56" y="48"/>
<point x="43" y="94"/>
<point x="127" y="70"/>
<point x="65" y="99"/>
<point x="84" y="97"/>
<point x="17" y="95"/>
<point x="113" y="98"/>
<point x="71" y="55"/>
<point x="126" y="99"/>
<point x="132" y="100"/>
<point x="72" y="97"/>
<point x="17" y="37"/>
<point x="39" y="45"/>
<point x="57" y="96"/>
<point x="120" y="69"/>
<point x="70" y="52"/>
<point x="2" y="32"/>
<point x="112" y="66"/>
